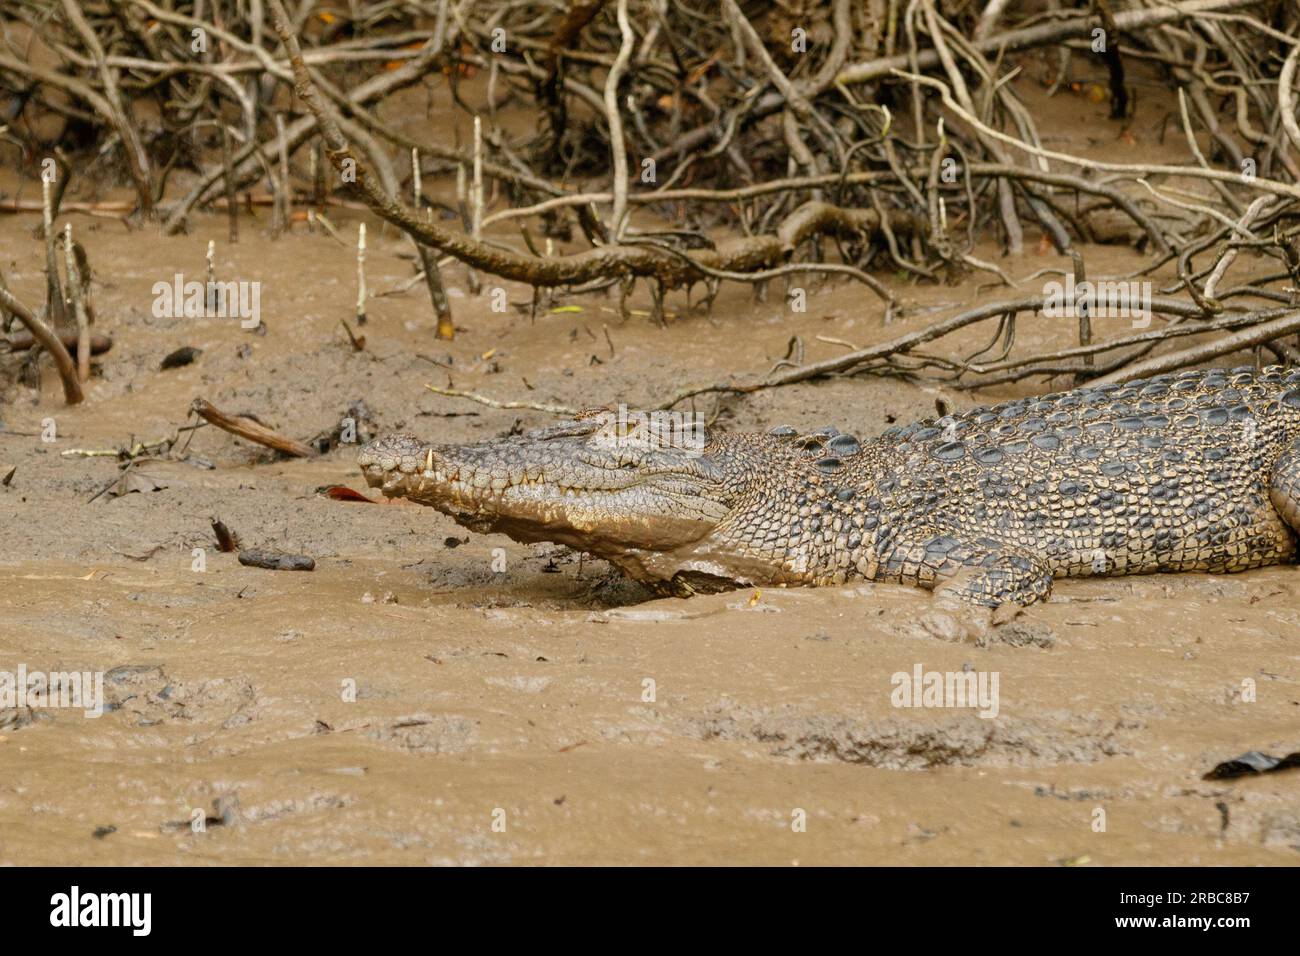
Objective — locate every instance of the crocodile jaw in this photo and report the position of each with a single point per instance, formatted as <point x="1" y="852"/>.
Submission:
<point x="647" y="516"/>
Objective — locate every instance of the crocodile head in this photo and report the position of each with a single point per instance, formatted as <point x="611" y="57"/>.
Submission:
<point x="654" y="496"/>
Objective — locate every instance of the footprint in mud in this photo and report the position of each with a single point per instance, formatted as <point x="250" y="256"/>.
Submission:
<point x="146" y="696"/>
<point x="903" y="744"/>
<point x="427" y="734"/>
<point x="15" y="718"/>
<point x="951" y="621"/>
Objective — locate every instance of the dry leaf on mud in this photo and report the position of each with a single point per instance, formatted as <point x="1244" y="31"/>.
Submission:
<point x="344" y="493"/>
<point x="135" y="481"/>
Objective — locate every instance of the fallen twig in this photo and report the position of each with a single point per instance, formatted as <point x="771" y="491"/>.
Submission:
<point x="99" y="344"/>
<point x="494" y="403"/>
<point x="50" y="342"/>
<point x="251" y="430"/>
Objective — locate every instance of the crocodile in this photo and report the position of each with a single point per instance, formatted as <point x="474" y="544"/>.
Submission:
<point x="1189" y="471"/>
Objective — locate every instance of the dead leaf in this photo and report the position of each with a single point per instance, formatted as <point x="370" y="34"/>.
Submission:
<point x="134" y="481"/>
<point x="344" y="493"/>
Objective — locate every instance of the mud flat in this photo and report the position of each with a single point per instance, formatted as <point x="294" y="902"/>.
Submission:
<point x="405" y="701"/>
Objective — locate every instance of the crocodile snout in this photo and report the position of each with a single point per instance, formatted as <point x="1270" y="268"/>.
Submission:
<point x="386" y="459"/>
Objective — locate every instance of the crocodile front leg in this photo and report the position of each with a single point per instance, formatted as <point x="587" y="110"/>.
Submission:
<point x="1002" y="577"/>
<point x="980" y="571"/>
<point x="1284" y="487"/>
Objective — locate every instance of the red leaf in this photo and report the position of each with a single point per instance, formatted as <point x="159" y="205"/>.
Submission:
<point x="344" y="493"/>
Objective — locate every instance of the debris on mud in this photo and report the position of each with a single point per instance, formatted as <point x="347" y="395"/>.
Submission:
<point x="1252" y="763"/>
<point x="185" y="355"/>
<point x="277" y="562"/>
<point x="227" y="540"/>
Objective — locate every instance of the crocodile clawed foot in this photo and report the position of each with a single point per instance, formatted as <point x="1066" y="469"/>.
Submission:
<point x="999" y="578"/>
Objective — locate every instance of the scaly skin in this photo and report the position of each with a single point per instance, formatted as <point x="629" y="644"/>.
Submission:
<point x="1197" y="471"/>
